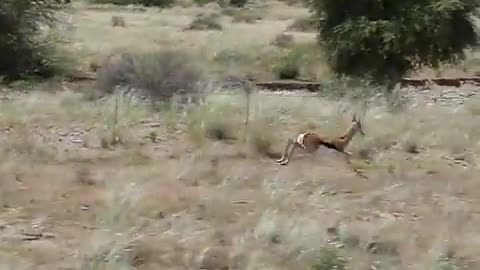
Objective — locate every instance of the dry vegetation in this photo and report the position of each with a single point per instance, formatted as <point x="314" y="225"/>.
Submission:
<point x="175" y="187"/>
<point x="168" y="190"/>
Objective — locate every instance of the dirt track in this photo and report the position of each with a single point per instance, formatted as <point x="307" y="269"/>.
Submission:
<point x="281" y="85"/>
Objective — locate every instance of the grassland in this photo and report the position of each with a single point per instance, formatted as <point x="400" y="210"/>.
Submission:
<point x="245" y="44"/>
<point x="177" y="188"/>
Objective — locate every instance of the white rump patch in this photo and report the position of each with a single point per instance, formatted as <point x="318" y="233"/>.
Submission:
<point x="300" y="139"/>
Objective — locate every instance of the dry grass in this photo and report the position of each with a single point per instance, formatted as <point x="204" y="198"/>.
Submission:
<point x="304" y="24"/>
<point x="180" y="184"/>
<point x="163" y="29"/>
<point x="205" y="22"/>
<point x="243" y="30"/>
<point x="153" y="204"/>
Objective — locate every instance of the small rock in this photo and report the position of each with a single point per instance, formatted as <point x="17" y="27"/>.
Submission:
<point x="78" y="141"/>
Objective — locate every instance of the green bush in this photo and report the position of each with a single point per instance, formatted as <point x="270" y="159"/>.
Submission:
<point x="25" y="50"/>
<point x="289" y="65"/>
<point x="383" y="40"/>
<point x="162" y="74"/>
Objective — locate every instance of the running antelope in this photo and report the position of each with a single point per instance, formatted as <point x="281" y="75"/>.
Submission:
<point x="311" y="141"/>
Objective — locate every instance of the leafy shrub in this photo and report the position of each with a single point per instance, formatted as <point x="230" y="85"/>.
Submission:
<point x="393" y="37"/>
<point x="205" y="22"/>
<point x="289" y="66"/>
<point x="162" y="74"/>
<point x="147" y="3"/>
<point x="304" y="24"/>
<point x="25" y="50"/>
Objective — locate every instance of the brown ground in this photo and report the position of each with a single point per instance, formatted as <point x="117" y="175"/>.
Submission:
<point x="71" y="200"/>
<point x="168" y="197"/>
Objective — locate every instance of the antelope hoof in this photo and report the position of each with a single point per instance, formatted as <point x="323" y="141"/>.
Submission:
<point x="283" y="163"/>
<point x="280" y="160"/>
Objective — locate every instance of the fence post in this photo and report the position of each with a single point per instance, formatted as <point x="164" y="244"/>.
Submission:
<point x="115" y="138"/>
<point x="247" y="89"/>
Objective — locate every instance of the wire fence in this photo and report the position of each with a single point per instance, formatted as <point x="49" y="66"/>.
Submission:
<point x="246" y="97"/>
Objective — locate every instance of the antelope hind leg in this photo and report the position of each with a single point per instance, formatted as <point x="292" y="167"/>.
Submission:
<point x="285" y="162"/>
<point x="284" y="155"/>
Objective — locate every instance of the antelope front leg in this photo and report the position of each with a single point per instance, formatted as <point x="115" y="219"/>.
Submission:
<point x="284" y="155"/>
<point x="347" y="156"/>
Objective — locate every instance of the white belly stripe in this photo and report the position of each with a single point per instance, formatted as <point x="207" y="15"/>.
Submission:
<point x="300" y="139"/>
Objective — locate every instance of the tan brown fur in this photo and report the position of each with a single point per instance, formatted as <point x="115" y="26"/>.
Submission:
<point x="311" y="141"/>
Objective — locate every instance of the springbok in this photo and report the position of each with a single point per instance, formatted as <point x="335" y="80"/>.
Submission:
<point x="311" y="141"/>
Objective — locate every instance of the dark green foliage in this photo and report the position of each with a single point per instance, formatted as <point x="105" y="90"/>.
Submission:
<point x="383" y="39"/>
<point x="24" y="50"/>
